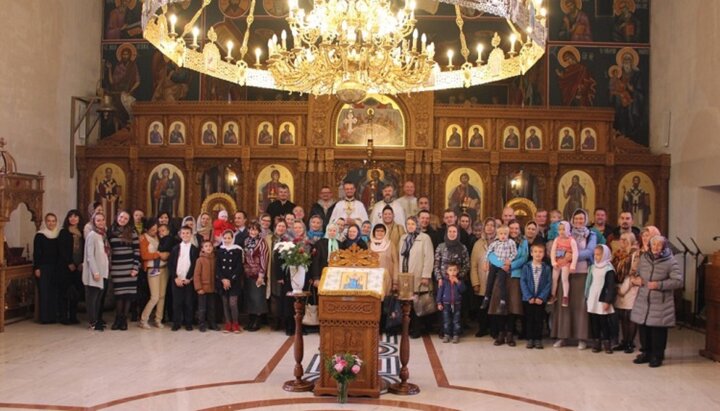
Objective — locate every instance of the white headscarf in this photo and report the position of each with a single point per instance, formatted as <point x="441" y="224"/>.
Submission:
<point x="607" y="256"/>
<point x="50" y="234"/>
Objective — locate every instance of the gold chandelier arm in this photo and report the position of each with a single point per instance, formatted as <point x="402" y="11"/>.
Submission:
<point x="188" y="27"/>
<point x="463" y="44"/>
<point x="246" y="38"/>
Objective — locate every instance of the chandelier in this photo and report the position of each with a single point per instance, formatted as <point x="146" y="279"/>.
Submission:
<point x="350" y="48"/>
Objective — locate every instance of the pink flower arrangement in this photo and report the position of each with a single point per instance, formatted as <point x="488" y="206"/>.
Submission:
<point x="344" y="367"/>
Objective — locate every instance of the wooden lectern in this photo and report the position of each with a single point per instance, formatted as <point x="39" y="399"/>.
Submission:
<point x="351" y="290"/>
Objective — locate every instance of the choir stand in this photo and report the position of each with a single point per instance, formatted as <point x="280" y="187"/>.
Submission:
<point x="298" y="384"/>
<point x="403" y="387"/>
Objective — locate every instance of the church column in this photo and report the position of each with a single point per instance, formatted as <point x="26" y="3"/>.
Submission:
<point x="605" y="190"/>
<point x="133" y="200"/>
<point x="82" y="178"/>
<point x="551" y="200"/>
<point x="301" y="189"/>
<point x="329" y="175"/>
<point x="192" y="199"/>
<point x="437" y="202"/>
<point x="245" y="189"/>
<point x="662" y="197"/>
<point x="493" y="207"/>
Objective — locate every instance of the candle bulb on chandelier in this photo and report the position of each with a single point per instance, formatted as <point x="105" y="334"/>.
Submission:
<point x="258" y="52"/>
<point x="229" y="45"/>
<point x="543" y="12"/>
<point x="195" y="33"/>
<point x="283" y="36"/>
<point x="423" y="41"/>
<point x="450" y="54"/>
<point x="513" y="39"/>
<point x="528" y="30"/>
<point x="479" y="53"/>
<point x="173" y="20"/>
<point x="415" y="38"/>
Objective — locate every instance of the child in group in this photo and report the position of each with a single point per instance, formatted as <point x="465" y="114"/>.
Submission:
<point x="229" y="274"/>
<point x="555" y="218"/>
<point x="449" y="302"/>
<point x="181" y="267"/>
<point x="564" y="257"/>
<point x="600" y="293"/>
<point x="505" y="250"/>
<point x="204" y="280"/>
<point x="220" y="225"/>
<point x="535" y="283"/>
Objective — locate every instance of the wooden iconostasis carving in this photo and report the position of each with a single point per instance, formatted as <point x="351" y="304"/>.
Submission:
<point x="476" y="158"/>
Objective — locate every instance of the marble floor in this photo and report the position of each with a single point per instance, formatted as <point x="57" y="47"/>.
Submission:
<point x="70" y="368"/>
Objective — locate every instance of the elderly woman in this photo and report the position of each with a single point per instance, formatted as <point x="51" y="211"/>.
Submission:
<point x="505" y="319"/>
<point x="654" y="310"/>
<point x="625" y="260"/>
<point x="416" y="257"/>
<point x="478" y="275"/>
<point x="572" y="322"/>
<point x="388" y="255"/>
<point x="451" y="250"/>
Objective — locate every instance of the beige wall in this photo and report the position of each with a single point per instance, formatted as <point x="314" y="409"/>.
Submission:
<point x="685" y="115"/>
<point x="51" y="51"/>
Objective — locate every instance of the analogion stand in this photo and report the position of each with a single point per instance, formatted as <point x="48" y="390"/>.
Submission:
<point x="403" y="387"/>
<point x="298" y="384"/>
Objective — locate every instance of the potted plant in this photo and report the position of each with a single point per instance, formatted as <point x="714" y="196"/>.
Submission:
<point x="295" y="259"/>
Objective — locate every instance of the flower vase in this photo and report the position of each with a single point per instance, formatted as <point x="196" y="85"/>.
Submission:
<point x="342" y="396"/>
<point x="297" y="278"/>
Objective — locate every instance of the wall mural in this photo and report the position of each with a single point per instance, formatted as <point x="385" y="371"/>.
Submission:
<point x="377" y="117"/>
<point x="268" y="181"/>
<point x="108" y="186"/>
<point x="464" y="192"/>
<point x="576" y="189"/>
<point x="166" y="191"/>
<point x="636" y="193"/>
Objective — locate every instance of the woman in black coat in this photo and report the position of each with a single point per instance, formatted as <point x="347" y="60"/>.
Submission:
<point x="72" y="247"/>
<point x="46" y="261"/>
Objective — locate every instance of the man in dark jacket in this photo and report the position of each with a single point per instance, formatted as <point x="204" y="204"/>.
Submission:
<point x="282" y="205"/>
<point x="181" y="267"/>
<point x="324" y="206"/>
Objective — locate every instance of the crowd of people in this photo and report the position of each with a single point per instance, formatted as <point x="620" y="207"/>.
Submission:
<point x="576" y="282"/>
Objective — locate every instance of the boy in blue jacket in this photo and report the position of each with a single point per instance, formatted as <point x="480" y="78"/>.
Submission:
<point x="449" y="299"/>
<point x="535" y="283"/>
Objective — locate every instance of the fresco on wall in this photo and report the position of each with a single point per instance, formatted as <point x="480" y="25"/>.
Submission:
<point x="377" y="117"/>
<point x="604" y="77"/>
<point x="619" y="21"/>
<point x="636" y="193"/>
<point x="576" y="189"/>
<point x="108" y="186"/>
<point x="464" y="192"/>
<point x="166" y="191"/>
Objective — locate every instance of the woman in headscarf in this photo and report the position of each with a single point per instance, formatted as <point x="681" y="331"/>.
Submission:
<point x="72" y="246"/>
<point x="387" y="251"/>
<point x="654" y="310"/>
<point x="505" y="319"/>
<point x="276" y="277"/>
<point x="645" y="235"/>
<point x="478" y="275"/>
<point x="204" y="231"/>
<point x="94" y="207"/>
<point x="417" y="258"/>
<point x="46" y="267"/>
<point x="256" y="261"/>
<point x="315" y="233"/>
<point x="572" y="322"/>
<point x="451" y="249"/>
<point x="625" y="260"/>
<point x="600" y="292"/>
<point x="353" y="237"/>
<point x="96" y="268"/>
<point x="322" y="250"/>
<point x="124" y="267"/>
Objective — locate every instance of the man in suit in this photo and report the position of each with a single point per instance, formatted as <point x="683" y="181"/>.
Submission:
<point x="181" y="267"/>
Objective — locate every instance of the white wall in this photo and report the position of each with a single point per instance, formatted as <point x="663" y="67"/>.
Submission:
<point x="685" y="89"/>
<point x="51" y="51"/>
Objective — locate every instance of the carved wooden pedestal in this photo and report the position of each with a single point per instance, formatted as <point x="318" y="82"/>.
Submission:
<point x="350" y="324"/>
<point x="403" y="387"/>
<point x="298" y="384"/>
<point x="712" y="310"/>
